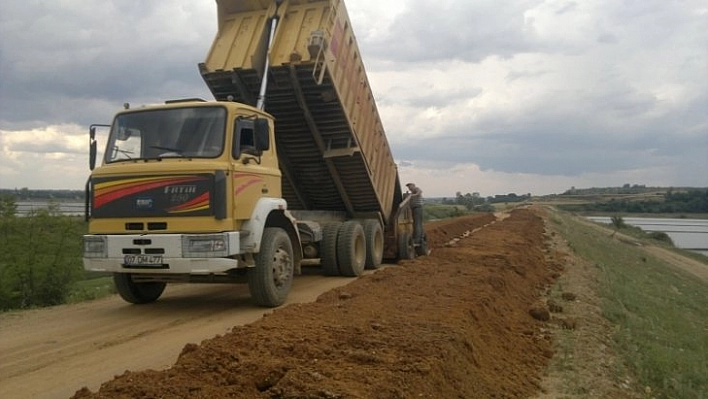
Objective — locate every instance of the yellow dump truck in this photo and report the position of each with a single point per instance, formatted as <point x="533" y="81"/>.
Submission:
<point x="290" y="166"/>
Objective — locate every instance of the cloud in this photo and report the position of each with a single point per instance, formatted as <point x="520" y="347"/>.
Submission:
<point x="99" y="55"/>
<point x="51" y="157"/>
<point x="509" y="95"/>
<point x="461" y="30"/>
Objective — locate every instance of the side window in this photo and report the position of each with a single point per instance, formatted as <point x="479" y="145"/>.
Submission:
<point x="244" y="141"/>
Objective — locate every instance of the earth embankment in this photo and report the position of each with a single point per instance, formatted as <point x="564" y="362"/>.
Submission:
<point x="450" y="325"/>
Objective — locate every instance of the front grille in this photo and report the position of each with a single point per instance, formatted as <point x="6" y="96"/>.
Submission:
<point x="157" y="226"/>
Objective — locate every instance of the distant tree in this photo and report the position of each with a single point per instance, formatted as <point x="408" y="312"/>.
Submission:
<point x="618" y="222"/>
<point x="8" y="206"/>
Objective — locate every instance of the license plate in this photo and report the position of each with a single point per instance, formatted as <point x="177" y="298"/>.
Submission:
<point x="142" y="260"/>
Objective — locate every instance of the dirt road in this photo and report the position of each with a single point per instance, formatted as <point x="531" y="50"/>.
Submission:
<point x="51" y="353"/>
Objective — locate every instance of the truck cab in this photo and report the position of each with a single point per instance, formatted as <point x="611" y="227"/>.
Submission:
<point x="185" y="192"/>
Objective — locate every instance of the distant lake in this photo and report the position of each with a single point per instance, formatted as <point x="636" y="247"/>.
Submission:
<point x="65" y="208"/>
<point x="690" y="234"/>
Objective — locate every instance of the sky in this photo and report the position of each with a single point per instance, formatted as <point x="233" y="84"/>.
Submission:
<point x="476" y="96"/>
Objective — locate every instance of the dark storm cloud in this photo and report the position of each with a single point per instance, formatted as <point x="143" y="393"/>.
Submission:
<point x="95" y="55"/>
<point x="608" y="131"/>
<point x="546" y="152"/>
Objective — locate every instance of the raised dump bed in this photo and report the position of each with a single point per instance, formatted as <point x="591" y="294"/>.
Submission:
<point x="332" y="147"/>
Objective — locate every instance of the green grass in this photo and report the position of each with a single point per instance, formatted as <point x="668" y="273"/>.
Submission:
<point x="436" y="211"/>
<point x="660" y="313"/>
<point x="659" y="239"/>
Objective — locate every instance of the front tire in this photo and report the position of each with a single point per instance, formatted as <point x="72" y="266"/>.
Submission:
<point x="137" y="293"/>
<point x="270" y="280"/>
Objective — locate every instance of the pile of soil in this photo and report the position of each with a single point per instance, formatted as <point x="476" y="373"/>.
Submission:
<point x="455" y="324"/>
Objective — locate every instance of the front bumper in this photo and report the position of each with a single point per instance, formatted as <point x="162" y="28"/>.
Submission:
<point x="161" y="253"/>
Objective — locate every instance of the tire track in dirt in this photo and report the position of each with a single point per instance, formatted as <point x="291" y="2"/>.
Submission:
<point x="52" y="352"/>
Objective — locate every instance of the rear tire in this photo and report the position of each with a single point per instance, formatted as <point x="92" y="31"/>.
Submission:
<point x="270" y="281"/>
<point x="328" y="248"/>
<point x="405" y="246"/>
<point x="374" y="244"/>
<point x="137" y="293"/>
<point x="351" y="249"/>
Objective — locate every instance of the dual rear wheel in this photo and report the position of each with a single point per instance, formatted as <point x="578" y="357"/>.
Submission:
<point x="350" y="247"/>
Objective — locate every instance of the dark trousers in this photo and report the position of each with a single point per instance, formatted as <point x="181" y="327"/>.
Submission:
<point x="417" y="224"/>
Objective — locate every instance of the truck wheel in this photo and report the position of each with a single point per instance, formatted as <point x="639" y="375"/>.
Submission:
<point x="405" y="246"/>
<point x="328" y="249"/>
<point x="374" y="244"/>
<point x="351" y="249"/>
<point x="137" y="293"/>
<point x="270" y="280"/>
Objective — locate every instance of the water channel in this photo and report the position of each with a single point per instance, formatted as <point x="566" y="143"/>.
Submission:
<point x="689" y="234"/>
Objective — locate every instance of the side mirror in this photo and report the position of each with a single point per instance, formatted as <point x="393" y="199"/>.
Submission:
<point x="92" y="147"/>
<point x="262" y="134"/>
<point x="92" y="154"/>
<point x="93" y="144"/>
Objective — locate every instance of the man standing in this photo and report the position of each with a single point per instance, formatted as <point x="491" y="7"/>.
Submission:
<point x="417" y="207"/>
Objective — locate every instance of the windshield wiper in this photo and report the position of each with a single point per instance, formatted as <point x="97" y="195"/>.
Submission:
<point x="127" y="153"/>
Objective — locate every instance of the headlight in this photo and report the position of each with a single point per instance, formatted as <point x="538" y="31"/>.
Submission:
<point x="211" y="246"/>
<point x="95" y="247"/>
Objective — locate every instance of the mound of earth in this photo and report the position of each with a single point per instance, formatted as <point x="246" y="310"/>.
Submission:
<point x="455" y="324"/>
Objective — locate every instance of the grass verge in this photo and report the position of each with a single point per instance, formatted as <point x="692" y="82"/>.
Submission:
<point x="660" y="313"/>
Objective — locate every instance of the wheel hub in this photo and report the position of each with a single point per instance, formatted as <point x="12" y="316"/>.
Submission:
<point x="281" y="267"/>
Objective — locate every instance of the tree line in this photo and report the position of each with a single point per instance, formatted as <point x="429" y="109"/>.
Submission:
<point x="685" y="201"/>
<point x="475" y="202"/>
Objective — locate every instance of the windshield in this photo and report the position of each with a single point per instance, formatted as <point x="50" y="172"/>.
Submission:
<point x="168" y="133"/>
